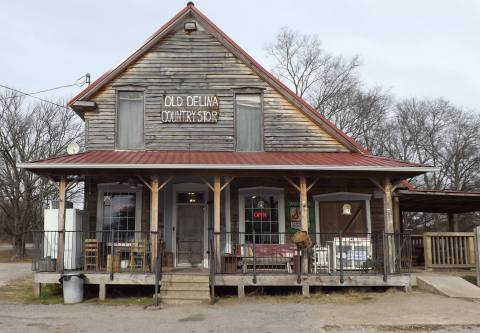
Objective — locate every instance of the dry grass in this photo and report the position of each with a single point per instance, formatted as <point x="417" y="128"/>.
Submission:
<point x="6" y="256"/>
<point x="21" y="292"/>
<point x="349" y="296"/>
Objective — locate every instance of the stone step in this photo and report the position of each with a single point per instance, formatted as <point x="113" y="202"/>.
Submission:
<point x="182" y="301"/>
<point x="185" y="286"/>
<point x="202" y="297"/>
<point x="185" y="278"/>
<point x="194" y="294"/>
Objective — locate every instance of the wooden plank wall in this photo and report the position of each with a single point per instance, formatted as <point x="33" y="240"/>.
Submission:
<point x="199" y="64"/>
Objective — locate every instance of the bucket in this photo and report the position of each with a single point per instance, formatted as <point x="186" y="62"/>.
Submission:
<point x="302" y="239"/>
<point x="72" y="287"/>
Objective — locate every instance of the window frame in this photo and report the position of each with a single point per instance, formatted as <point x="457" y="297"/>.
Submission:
<point x="279" y="192"/>
<point x="119" y="188"/>
<point x="117" y="103"/>
<point x="249" y="91"/>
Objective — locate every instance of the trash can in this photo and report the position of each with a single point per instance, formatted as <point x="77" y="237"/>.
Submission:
<point x="72" y="287"/>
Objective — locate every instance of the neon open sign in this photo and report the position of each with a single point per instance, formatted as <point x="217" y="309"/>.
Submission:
<point x="260" y="214"/>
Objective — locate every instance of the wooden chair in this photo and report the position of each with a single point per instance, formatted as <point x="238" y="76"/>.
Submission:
<point x="138" y="256"/>
<point x="90" y="254"/>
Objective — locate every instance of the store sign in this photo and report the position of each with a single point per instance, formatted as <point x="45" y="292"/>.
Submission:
<point x="260" y="215"/>
<point x="189" y="109"/>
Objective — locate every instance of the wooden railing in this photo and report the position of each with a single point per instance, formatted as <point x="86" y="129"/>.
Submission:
<point x="449" y="249"/>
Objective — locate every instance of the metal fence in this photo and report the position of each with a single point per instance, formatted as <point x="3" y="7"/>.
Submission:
<point x="339" y="254"/>
<point x="93" y="251"/>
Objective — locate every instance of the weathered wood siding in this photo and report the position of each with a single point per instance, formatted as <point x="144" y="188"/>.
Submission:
<point x="199" y="64"/>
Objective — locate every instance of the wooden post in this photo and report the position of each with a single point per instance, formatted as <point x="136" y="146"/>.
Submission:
<point x="389" y="225"/>
<point x="37" y="289"/>
<point x="304" y="220"/>
<point x="397" y="219"/>
<point x="216" y="218"/>
<point x="477" y="253"/>
<point x="427" y="251"/>
<point x="452" y="222"/>
<point x="62" y="191"/>
<point x="154" y="189"/>
<point x="102" y="291"/>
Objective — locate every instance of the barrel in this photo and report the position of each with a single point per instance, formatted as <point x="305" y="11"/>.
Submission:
<point x="72" y="288"/>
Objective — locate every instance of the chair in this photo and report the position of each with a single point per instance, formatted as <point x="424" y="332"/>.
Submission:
<point x="320" y="258"/>
<point x="90" y="254"/>
<point x="138" y="256"/>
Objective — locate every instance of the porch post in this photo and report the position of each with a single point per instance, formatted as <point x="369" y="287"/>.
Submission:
<point x="397" y="218"/>
<point x="304" y="220"/>
<point x="452" y="222"/>
<point x="389" y="225"/>
<point x="154" y="219"/>
<point x="62" y="190"/>
<point x="216" y="218"/>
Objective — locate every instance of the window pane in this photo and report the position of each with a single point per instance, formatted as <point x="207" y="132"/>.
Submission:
<point x="119" y="211"/>
<point x="130" y="120"/>
<point x="248" y="122"/>
<point x="261" y="215"/>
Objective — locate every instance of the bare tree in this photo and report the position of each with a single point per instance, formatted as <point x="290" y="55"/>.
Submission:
<point x="29" y="132"/>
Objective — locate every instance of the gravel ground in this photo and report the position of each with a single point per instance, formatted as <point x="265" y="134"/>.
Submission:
<point x="12" y="271"/>
<point x="387" y="312"/>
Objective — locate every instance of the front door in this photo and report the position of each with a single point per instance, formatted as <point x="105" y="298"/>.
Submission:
<point x="190" y="219"/>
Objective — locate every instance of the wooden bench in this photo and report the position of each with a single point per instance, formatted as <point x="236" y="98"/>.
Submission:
<point x="267" y="256"/>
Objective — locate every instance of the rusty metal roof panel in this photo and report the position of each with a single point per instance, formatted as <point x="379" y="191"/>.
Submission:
<point x="225" y="160"/>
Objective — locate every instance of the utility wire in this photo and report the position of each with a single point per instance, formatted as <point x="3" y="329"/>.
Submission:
<point x="30" y="95"/>
<point x="86" y="79"/>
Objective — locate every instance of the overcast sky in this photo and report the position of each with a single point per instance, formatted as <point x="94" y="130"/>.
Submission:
<point x="414" y="48"/>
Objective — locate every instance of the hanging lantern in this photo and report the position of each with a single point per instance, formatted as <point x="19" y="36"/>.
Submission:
<point x="347" y="209"/>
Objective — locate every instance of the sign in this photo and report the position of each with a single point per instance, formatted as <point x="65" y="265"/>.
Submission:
<point x="260" y="215"/>
<point x="190" y="109"/>
<point x="294" y="216"/>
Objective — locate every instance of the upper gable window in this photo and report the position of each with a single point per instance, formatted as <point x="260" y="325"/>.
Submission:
<point x="130" y="114"/>
<point x="248" y="122"/>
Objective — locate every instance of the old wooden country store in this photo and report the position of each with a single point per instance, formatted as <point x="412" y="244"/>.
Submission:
<point x="200" y="169"/>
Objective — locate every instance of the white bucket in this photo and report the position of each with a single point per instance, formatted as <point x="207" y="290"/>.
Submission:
<point x="72" y="288"/>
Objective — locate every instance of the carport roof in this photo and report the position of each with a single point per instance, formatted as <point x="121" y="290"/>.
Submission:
<point x="436" y="201"/>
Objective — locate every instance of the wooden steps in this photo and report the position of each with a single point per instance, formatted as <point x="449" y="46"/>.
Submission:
<point x="184" y="288"/>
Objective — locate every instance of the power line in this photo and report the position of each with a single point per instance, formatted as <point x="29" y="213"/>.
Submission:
<point x="30" y="95"/>
<point x="86" y="80"/>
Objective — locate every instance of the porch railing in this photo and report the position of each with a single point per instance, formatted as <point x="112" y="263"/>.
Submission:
<point x="334" y="254"/>
<point x="449" y="249"/>
<point x="95" y="251"/>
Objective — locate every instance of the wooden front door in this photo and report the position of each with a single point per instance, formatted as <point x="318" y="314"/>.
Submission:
<point x="190" y="226"/>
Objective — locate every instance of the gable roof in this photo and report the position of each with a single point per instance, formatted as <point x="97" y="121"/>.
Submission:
<point x="167" y="28"/>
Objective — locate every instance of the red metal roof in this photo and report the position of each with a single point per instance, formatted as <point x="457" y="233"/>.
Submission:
<point x="282" y="88"/>
<point x="225" y="160"/>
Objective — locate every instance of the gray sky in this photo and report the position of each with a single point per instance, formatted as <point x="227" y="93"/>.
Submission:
<point x="414" y="48"/>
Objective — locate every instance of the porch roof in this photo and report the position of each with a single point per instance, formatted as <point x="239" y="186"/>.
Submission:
<point x="209" y="160"/>
<point x="437" y="201"/>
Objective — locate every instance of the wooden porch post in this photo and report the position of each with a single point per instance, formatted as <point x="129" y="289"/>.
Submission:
<point x="389" y="225"/>
<point x="154" y="189"/>
<point x="452" y="222"/>
<point x="397" y="217"/>
<point x="62" y="195"/>
<point x="304" y="220"/>
<point x="216" y="218"/>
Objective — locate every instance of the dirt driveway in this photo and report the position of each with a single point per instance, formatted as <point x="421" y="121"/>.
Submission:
<point x="379" y="312"/>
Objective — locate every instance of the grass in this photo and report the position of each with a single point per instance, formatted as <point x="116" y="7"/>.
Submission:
<point x="470" y="278"/>
<point x="344" y="296"/>
<point x="6" y="256"/>
<point x="21" y="292"/>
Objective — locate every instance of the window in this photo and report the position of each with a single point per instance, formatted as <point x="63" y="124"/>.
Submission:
<point x="262" y="211"/>
<point x="261" y="216"/>
<point x="119" y="213"/>
<point x="248" y="122"/>
<point x="130" y="120"/>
